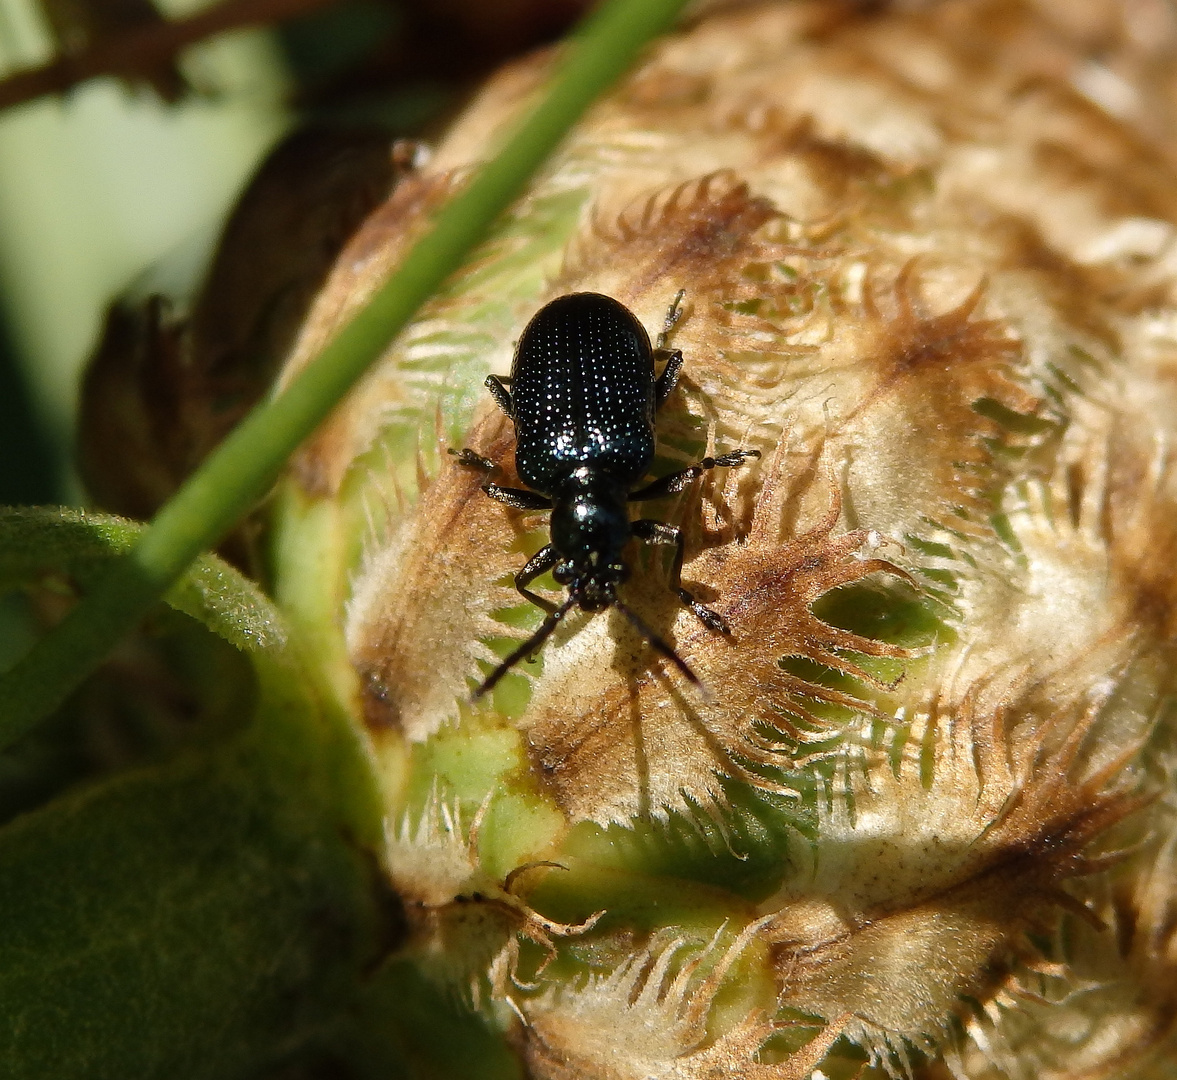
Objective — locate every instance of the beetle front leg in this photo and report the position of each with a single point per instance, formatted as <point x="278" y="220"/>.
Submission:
<point x="542" y="561"/>
<point x="658" y="532"/>
<point x="675" y="482"/>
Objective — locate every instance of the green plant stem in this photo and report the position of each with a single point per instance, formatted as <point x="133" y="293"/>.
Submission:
<point x="248" y="462"/>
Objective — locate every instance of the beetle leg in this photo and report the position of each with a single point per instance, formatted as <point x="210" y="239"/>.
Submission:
<point x="673" y="314"/>
<point x="675" y="482"/>
<point x="666" y="382"/>
<point x="658" y="532"/>
<point x="528" y="648"/>
<point x="518" y="498"/>
<point x="473" y="460"/>
<point x="497" y="385"/>
<point x="542" y="561"/>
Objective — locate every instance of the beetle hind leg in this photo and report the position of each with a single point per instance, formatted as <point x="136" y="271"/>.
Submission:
<point x="666" y="382"/>
<point x="658" y="532"/>
<point x="518" y="498"/>
<point x="497" y="385"/>
<point x="673" y="314"/>
<point x="472" y="460"/>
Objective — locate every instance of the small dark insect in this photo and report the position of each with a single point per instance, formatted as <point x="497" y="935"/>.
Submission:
<point x="583" y="394"/>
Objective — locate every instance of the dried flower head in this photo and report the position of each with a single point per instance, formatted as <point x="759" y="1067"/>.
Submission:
<point x="929" y="267"/>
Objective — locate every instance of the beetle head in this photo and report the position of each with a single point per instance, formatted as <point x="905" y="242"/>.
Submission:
<point x="590" y="526"/>
<point x="592" y="582"/>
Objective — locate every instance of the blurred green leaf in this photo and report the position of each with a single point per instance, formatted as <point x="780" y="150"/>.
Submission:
<point x="208" y="915"/>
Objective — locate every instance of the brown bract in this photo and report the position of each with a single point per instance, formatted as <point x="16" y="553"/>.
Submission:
<point x="929" y="372"/>
<point x="937" y="905"/>
<point x="428" y="597"/>
<point x="171" y="376"/>
<point x="614" y="734"/>
<point x="364" y="263"/>
<point x="704" y="231"/>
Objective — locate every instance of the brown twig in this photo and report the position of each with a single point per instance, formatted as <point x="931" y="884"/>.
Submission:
<point x="140" y="52"/>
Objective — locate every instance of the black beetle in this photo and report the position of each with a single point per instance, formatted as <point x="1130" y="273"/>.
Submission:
<point x="583" y="394"/>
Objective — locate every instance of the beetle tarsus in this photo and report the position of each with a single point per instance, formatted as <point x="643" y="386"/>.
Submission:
<point x="731" y="459"/>
<point x="709" y="618"/>
<point x="673" y="314"/>
<point x="472" y="460"/>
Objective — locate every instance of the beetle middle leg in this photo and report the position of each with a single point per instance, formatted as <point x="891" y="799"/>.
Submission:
<point x="675" y="482"/>
<point x="516" y="498"/>
<point x="658" y="532"/>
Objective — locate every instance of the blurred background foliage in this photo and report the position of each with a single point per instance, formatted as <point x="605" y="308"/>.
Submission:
<point x="128" y="129"/>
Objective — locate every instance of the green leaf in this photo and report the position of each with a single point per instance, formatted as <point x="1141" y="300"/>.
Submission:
<point x="186" y="922"/>
<point x="43" y="541"/>
<point x="212" y="913"/>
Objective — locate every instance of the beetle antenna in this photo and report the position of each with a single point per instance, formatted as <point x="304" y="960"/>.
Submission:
<point x="658" y="644"/>
<point x="531" y="645"/>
